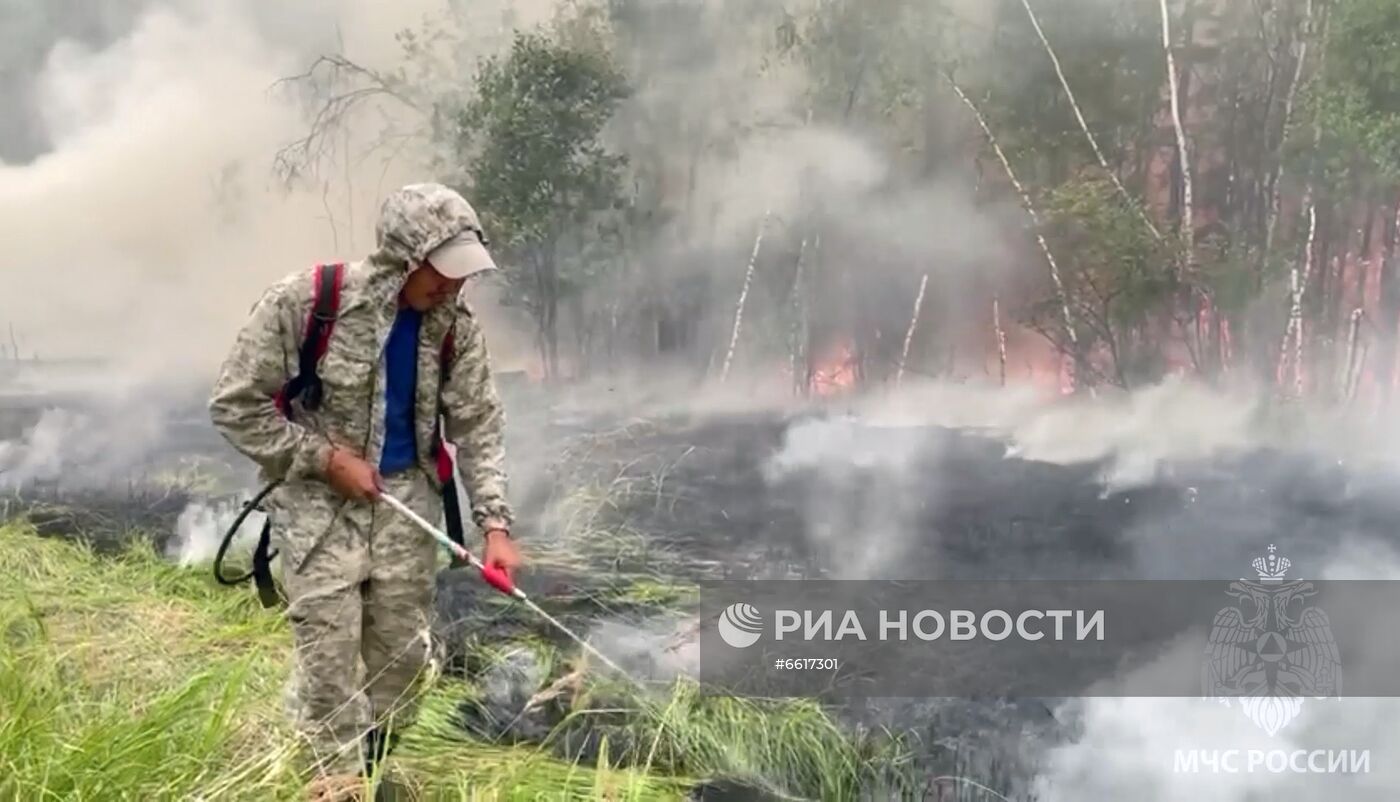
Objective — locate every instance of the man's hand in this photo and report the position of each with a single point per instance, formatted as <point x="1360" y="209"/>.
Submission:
<point x="352" y="477"/>
<point x="500" y="551"/>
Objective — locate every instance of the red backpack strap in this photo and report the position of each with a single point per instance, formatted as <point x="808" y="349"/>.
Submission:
<point x="324" y="307"/>
<point x="320" y="322"/>
<point x="451" y="504"/>
<point x="449" y="352"/>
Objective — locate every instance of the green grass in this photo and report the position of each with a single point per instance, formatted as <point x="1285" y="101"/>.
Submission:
<point x="129" y="677"/>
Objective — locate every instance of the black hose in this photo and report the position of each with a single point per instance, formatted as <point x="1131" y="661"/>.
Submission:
<point x="232" y="530"/>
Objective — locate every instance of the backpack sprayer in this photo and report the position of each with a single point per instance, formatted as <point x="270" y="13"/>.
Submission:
<point x="327" y="280"/>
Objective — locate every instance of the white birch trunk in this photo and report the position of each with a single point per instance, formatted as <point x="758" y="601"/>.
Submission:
<point x="1188" y="226"/>
<point x="797" y="353"/>
<point x="1276" y="196"/>
<point x="1030" y="210"/>
<point x="1084" y="126"/>
<point x="1297" y="286"/>
<point x="743" y="297"/>
<point x="1001" y="336"/>
<point x="1352" y="375"/>
<point x="1298" y="334"/>
<point x="913" y="326"/>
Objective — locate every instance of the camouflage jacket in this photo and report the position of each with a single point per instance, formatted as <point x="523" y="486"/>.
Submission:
<point x="265" y="352"/>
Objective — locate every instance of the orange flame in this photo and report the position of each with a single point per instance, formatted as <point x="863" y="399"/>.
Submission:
<point x="835" y="373"/>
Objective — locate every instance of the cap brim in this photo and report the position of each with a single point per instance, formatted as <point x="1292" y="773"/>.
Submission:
<point x="461" y="258"/>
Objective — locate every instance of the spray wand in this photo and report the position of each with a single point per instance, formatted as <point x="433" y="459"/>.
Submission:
<point x="499" y="579"/>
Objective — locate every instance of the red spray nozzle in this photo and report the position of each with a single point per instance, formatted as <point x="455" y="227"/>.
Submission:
<point x="499" y="579"/>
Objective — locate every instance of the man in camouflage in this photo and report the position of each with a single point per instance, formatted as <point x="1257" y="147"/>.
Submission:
<point x="358" y="576"/>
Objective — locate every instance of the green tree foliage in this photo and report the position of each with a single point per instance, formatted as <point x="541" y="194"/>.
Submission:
<point x="1112" y="269"/>
<point x="530" y="144"/>
<point x="1348" y="147"/>
<point x="1111" y="57"/>
<point x="1356" y="97"/>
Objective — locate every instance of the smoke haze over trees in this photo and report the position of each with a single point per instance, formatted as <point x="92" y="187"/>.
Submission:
<point x="751" y="189"/>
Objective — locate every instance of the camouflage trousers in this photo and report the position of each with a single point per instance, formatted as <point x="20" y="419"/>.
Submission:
<point x="360" y="609"/>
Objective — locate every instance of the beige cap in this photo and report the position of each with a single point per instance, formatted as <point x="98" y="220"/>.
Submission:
<point x="462" y="256"/>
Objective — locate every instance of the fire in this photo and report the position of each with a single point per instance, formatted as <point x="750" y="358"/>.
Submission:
<point x="835" y="372"/>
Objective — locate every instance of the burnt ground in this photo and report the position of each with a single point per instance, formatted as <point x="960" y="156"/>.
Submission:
<point x="946" y="504"/>
<point x="702" y="499"/>
<point x="609" y="503"/>
<point x="104" y="472"/>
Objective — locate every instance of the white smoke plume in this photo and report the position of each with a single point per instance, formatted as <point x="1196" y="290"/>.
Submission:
<point x="149" y="219"/>
<point x="76" y="448"/>
<point x="200" y="530"/>
<point x="1137" y="435"/>
<point x="153" y="219"/>
<point x="654" y="649"/>
<point x="857" y="500"/>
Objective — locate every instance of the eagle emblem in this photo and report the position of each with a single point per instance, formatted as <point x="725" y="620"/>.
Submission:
<point x="1272" y="649"/>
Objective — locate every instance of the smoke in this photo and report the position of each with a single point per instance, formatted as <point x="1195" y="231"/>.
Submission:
<point x="872" y="475"/>
<point x="865" y="489"/>
<point x="200" y="529"/>
<point x="142" y="215"/>
<point x="1134" y="435"/>
<point x="144" y="202"/>
<point x="654" y="649"/>
<point x="732" y="133"/>
<point x="38" y="455"/>
<point x="75" y="447"/>
<point x="775" y="171"/>
<point x="153" y="220"/>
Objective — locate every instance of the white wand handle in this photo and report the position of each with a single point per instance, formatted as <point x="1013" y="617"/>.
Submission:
<point x="496" y="577"/>
<point x="447" y="542"/>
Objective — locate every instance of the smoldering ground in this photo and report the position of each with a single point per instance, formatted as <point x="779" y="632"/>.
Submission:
<point x="833" y="495"/>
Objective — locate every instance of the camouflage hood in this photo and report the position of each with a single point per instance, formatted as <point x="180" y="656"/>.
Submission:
<point x="418" y="218"/>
